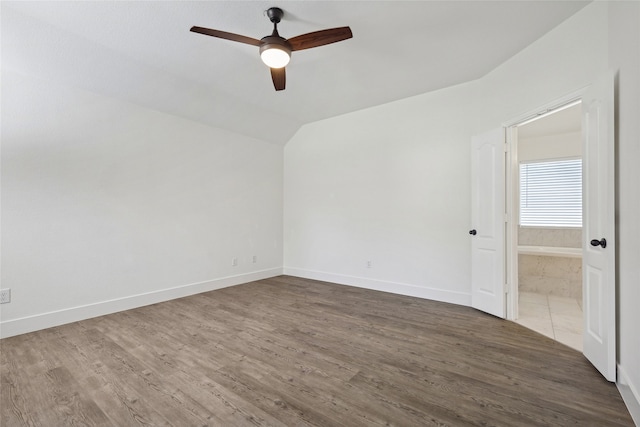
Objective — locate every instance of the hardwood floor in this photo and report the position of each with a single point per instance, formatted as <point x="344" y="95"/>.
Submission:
<point x="297" y="352"/>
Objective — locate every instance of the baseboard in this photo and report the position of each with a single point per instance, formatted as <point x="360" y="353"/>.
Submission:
<point x="9" y="328"/>
<point x="630" y="394"/>
<point x="459" y="298"/>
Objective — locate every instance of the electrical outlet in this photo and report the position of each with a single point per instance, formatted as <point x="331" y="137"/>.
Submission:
<point x="5" y="296"/>
<point x="254" y="259"/>
<point x="368" y="264"/>
<point x="234" y="262"/>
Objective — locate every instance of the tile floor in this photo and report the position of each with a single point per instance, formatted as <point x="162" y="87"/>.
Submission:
<point x="559" y="318"/>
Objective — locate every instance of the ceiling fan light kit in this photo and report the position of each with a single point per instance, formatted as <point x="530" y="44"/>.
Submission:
<point x="275" y="55"/>
<point x="275" y="51"/>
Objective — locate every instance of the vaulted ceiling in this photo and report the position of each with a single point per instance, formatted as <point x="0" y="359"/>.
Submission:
<point x="142" y="52"/>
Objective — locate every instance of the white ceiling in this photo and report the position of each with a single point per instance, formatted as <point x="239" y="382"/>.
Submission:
<point x="143" y="52"/>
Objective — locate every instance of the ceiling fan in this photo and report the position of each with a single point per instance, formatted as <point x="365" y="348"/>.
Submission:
<point x="275" y="51"/>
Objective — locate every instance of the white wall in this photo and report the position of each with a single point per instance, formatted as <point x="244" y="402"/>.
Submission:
<point x="388" y="185"/>
<point x="391" y="184"/>
<point x="107" y="205"/>
<point x="624" y="57"/>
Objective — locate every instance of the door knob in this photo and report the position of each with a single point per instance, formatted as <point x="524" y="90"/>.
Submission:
<point x="473" y="232"/>
<point x="602" y="242"/>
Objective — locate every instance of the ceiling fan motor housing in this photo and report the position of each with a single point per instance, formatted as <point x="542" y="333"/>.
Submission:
<point x="275" y="42"/>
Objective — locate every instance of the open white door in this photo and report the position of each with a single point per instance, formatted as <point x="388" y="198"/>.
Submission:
<point x="598" y="260"/>
<point x="488" y="222"/>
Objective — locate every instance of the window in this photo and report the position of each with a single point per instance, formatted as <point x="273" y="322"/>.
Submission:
<point x="551" y="193"/>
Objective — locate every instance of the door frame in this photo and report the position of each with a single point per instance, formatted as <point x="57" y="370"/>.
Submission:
<point x="512" y="190"/>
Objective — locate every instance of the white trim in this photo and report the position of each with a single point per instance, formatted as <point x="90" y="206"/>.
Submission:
<point x="555" y="251"/>
<point x="512" y="204"/>
<point x="23" y="325"/>
<point x="459" y="298"/>
<point x="630" y="394"/>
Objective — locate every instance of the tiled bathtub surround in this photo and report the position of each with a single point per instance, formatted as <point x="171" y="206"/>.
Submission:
<point x="557" y="237"/>
<point x="550" y="275"/>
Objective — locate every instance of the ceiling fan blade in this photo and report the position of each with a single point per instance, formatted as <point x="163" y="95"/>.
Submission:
<point x="279" y="78"/>
<point x="227" y="36"/>
<point x="320" y="38"/>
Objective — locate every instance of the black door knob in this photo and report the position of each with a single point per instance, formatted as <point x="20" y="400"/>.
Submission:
<point x="602" y="242"/>
<point x="473" y="232"/>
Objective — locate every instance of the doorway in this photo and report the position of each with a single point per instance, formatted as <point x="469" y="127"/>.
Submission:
<point x="494" y="225"/>
<point x="548" y="213"/>
<point x="494" y="222"/>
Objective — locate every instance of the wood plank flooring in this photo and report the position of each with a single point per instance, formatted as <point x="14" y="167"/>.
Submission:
<point x="298" y="352"/>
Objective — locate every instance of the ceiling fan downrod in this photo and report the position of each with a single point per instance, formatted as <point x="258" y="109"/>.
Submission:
<point x="275" y="15"/>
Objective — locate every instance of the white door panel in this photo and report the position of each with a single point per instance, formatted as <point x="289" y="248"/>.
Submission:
<point x="488" y="227"/>
<point x="598" y="261"/>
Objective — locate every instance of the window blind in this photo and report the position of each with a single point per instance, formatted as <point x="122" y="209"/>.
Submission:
<point x="551" y="193"/>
